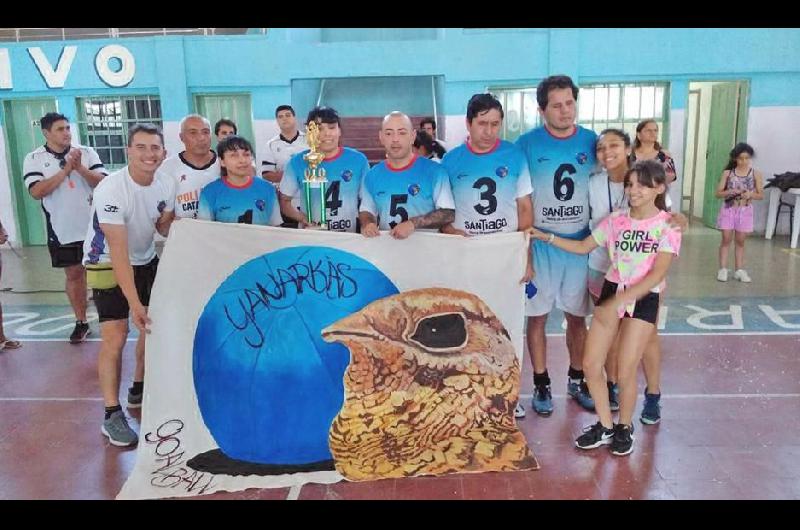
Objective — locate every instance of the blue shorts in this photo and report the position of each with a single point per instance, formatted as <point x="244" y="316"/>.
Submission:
<point x="561" y="279"/>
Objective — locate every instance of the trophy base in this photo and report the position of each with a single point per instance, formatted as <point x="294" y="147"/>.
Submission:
<point x="317" y="227"/>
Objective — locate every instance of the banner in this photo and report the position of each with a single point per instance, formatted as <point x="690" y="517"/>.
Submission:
<point x="281" y="357"/>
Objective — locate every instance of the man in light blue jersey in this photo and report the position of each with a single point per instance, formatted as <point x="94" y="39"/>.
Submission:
<point x="560" y="156"/>
<point x="239" y="196"/>
<point x="405" y="192"/>
<point x="344" y="168"/>
<point x="490" y="181"/>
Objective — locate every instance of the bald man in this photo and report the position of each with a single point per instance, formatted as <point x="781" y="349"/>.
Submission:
<point x="405" y="192"/>
<point x="192" y="168"/>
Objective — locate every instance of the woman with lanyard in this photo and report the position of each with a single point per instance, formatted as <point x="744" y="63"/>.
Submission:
<point x="606" y="195"/>
<point x="646" y="147"/>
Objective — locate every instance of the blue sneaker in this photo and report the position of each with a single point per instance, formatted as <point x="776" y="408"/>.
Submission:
<point x="651" y="412"/>
<point x="542" y="400"/>
<point x="613" y="396"/>
<point x="580" y="392"/>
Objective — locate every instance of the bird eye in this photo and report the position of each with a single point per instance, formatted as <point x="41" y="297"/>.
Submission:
<point x="441" y="331"/>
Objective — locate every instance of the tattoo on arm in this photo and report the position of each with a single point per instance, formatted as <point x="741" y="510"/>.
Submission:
<point x="435" y="219"/>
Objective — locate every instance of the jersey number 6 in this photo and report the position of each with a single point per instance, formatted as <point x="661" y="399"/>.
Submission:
<point x="560" y="183"/>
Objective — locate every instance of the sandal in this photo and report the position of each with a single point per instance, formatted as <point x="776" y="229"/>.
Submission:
<point x="10" y="345"/>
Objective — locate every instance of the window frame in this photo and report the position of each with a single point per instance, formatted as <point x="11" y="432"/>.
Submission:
<point x="111" y="120"/>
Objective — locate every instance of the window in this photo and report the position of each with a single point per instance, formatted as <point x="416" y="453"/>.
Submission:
<point x="623" y="106"/>
<point x="520" y="109"/>
<point x="600" y="106"/>
<point x="104" y="122"/>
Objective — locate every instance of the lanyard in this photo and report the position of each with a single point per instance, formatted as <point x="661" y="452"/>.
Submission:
<point x="610" y="205"/>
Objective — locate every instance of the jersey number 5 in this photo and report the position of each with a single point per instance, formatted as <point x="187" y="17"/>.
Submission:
<point x="564" y="188"/>
<point x="487" y="195"/>
<point x="395" y="209"/>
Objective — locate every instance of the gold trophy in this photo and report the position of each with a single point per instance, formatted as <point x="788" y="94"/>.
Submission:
<point x="314" y="176"/>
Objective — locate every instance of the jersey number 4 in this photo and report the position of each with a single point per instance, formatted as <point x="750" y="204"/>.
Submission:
<point x="486" y="195"/>
<point x="395" y="209"/>
<point x="332" y="200"/>
<point x="564" y="187"/>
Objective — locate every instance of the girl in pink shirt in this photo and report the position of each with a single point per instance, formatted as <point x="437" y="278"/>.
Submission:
<point x="641" y="245"/>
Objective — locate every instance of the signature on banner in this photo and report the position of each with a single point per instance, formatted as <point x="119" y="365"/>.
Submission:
<point x="172" y="473"/>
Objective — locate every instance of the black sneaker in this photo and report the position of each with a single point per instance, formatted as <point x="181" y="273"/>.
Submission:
<point x="594" y="436"/>
<point x="622" y="443"/>
<point x="80" y="333"/>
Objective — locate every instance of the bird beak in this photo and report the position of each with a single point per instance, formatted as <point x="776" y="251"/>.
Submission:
<point x="354" y="325"/>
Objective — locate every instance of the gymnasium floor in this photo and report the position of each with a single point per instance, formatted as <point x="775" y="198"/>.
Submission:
<point x="730" y="418"/>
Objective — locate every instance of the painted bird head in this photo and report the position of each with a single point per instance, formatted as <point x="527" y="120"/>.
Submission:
<point x="438" y="329"/>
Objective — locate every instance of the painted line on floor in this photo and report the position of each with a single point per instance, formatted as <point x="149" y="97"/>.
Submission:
<point x="50" y="399"/>
<point x="294" y="493"/>
<point x="700" y="396"/>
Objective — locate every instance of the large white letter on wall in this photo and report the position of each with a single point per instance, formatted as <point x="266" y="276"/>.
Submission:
<point x="54" y="78"/>
<point x="5" y="70"/>
<point x="110" y="77"/>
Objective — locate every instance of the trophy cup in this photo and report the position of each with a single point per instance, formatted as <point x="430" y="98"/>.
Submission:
<point x="314" y="176"/>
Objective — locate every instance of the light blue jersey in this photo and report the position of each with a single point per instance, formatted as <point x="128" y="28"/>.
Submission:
<point x="486" y="187"/>
<point x="560" y="169"/>
<point x="255" y="203"/>
<point x="345" y="172"/>
<point x="396" y="195"/>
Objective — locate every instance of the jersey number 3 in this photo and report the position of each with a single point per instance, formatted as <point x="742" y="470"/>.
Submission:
<point x="564" y="187"/>
<point x="486" y="195"/>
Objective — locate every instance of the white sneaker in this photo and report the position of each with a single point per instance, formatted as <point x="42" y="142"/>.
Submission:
<point x="742" y="276"/>
<point x="519" y="412"/>
<point x="722" y="275"/>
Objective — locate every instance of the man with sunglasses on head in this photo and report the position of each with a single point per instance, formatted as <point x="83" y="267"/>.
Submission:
<point x="62" y="176"/>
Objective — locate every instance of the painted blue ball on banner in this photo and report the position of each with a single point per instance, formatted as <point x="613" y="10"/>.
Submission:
<point x="267" y="385"/>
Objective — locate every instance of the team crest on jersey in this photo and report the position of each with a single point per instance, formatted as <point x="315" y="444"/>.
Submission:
<point x="581" y="158"/>
<point x="161" y="206"/>
<point x="501" y="172"/>
<point x="260" y="204"/>
<point x="347" y="175"/>
<point x="413" y="190"/>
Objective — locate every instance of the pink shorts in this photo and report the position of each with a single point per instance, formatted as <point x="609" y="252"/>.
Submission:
<point x="738" y="218"/>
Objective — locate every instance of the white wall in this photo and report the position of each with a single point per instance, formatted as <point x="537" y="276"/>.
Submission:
<point x="677" y="140"/>
<point x="455" y="130"/>
<point x="263" y="130"/>
<point x="6" y="204"/>
<point x="773" y="133"/>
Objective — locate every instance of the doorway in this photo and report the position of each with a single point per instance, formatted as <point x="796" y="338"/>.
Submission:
<point x="24" y="134"/>
<point x="716" y="121"/>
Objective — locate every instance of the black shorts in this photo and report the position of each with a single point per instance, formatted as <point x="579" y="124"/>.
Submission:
<point x="646" y="309"/>
<point x="65" y="255"/>
<point x="111" y="304"/>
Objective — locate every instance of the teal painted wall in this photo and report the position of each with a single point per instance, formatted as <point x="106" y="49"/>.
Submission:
<point x="273" y="67"/>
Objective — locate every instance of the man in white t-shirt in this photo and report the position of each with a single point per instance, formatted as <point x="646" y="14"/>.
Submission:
<point x="62" y="176"/>
<point x="192" y="168"/>
<point x="129" y="206"/>
<point x="281" y="148"/>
